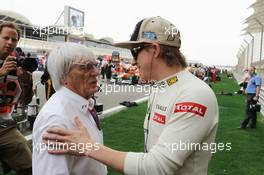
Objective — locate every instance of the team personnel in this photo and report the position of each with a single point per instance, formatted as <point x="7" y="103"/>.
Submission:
<point x="182" y="110"/>
<point x="252" y="91"/>
<point x="13" y="146"/>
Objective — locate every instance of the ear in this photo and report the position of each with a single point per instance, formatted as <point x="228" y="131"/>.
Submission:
<point x="156" y="48"/>
<point x="63" y="80"/>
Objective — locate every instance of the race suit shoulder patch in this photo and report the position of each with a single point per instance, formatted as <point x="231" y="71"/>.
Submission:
<point x="159" y="118"/>
<point x="172" y="80"/>
<point x="191" y="107"/>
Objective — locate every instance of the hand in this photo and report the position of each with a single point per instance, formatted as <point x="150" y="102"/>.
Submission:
<point x="9" y="65"/>
<point x="255" y="98"/>
<point x="73" y="142"/>
<point x="20" y="71"/>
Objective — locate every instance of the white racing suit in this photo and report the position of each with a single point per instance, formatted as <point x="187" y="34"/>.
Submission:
<point x="180" y="125"/>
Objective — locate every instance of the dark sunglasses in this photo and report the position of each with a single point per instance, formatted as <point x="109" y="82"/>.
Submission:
<point x="135" y="51"/>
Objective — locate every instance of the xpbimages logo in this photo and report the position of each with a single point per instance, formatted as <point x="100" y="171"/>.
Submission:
<point x="171" y="30"/>
<point x="116" y="88"/>
<point x="80" y="147"/>
<point x="191" y="146"/>
<point x="51" y="30"/>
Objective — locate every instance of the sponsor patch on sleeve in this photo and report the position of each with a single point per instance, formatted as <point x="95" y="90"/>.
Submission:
<point x="190" y="107"/>
<point x="159" y="118"/>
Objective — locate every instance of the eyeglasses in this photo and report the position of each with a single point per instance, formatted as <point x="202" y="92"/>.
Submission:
<point x="88" y="67"/>
<point x="135" y="51"/>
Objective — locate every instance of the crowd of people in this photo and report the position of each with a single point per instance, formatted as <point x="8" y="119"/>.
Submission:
<point x="205" y="73"/>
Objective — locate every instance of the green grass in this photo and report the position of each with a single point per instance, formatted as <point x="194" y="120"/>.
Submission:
<point x="124" y="131"/>
<point x="247" y="154"/>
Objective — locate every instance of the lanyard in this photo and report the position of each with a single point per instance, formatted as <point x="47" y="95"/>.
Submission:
<point x="149" y="115"/>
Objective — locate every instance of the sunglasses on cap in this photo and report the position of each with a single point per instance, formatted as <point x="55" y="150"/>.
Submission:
<point x="135" y="51"/>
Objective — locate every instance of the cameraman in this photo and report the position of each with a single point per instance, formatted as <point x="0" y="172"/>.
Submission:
<point x="14" y="149"/>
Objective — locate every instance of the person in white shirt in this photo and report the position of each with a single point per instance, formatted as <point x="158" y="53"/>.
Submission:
<point x="73" y="71"/>
<point x="183" y="111"/>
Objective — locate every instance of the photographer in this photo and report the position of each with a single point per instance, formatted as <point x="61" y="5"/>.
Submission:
<point x="13" y="146"/>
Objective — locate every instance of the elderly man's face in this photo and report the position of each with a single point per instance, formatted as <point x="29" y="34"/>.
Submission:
<point x="82" y="78"/>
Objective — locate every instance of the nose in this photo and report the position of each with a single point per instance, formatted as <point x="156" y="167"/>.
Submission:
<point x="95" y="72"/>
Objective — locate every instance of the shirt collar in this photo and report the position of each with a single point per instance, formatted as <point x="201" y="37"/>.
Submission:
<point x="78" y="101"/>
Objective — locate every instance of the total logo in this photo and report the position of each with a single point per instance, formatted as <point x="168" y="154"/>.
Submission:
<point x="190" y="107"/>
<point x="159" y="118"/>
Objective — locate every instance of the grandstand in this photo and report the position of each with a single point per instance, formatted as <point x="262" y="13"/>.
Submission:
<point x="36" y="39"/>
<point x="251" y="50"/>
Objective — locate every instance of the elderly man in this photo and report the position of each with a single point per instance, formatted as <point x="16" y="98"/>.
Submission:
<point x="183" y="111"/>
<point x="74" y="76"/>
<point x="13" y="146"/>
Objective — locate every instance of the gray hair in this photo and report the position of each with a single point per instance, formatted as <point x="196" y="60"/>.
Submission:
<point x="61" y="58"/>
